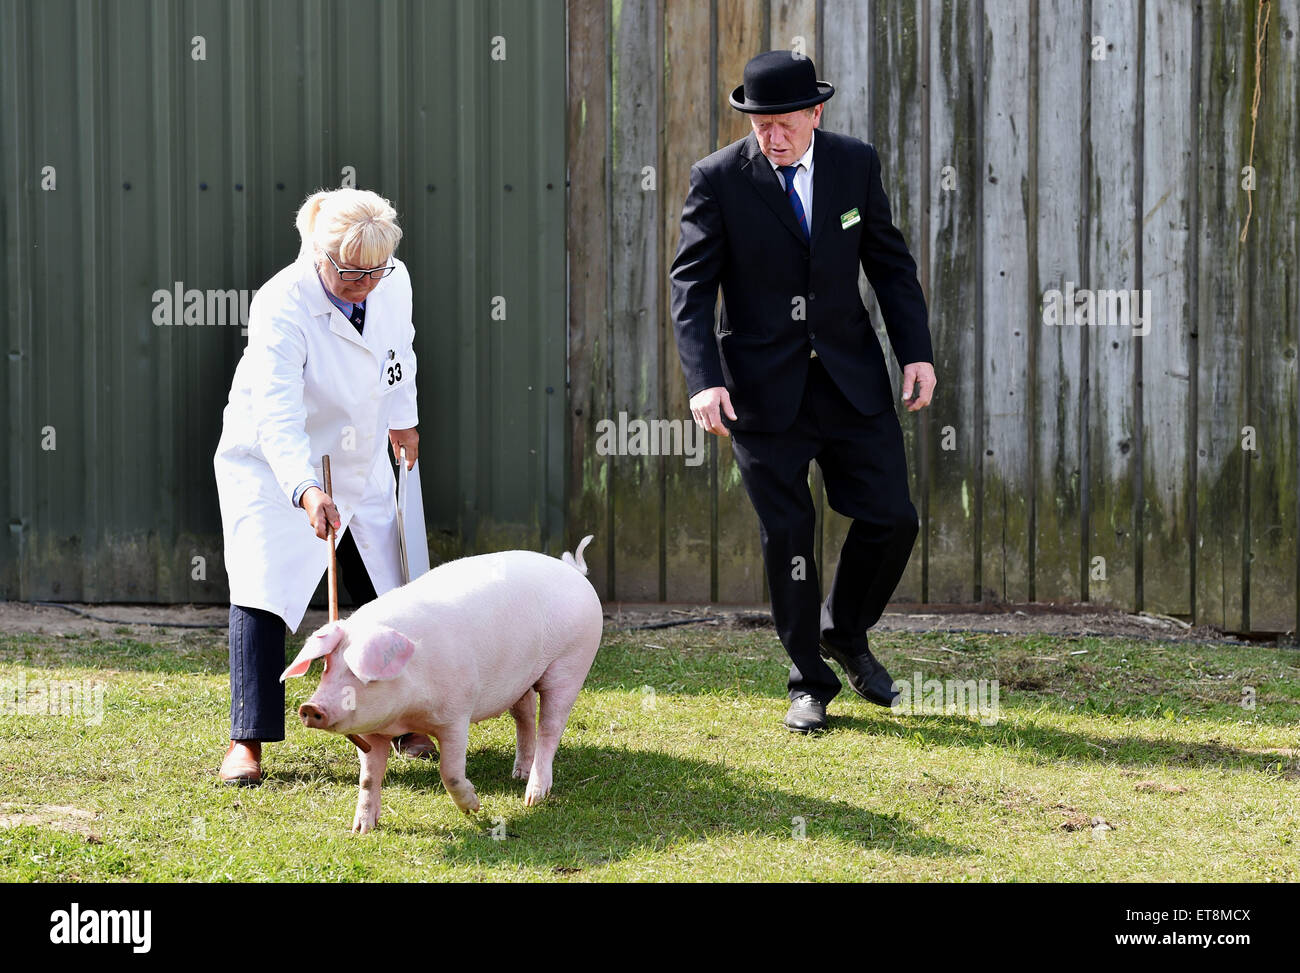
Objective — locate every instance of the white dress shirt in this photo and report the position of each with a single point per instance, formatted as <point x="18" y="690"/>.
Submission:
<point x="802" y="179"/>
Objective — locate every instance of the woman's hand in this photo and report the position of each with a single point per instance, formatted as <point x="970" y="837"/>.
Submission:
<point x="410" y="438"/>
<point x="320" y="510"/>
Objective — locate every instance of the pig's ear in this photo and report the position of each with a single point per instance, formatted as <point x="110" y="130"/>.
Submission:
<point x="322" y="642"/>
<point x="381" y="653"/>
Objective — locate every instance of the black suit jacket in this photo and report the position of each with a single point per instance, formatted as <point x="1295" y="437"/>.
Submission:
<point x="739" y="231"/>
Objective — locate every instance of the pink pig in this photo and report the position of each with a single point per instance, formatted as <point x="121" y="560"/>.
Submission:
<point x="464" y="642"/>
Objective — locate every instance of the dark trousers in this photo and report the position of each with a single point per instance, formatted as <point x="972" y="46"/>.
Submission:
<point x="257" y="654"/>
<point x="865" y="471"/>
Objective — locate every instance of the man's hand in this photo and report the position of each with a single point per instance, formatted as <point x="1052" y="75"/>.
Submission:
<point x="409" y="438"/>
<point x="320" y="510"/>
<point x="920" y="373"/>
<point x="707" y="408"/>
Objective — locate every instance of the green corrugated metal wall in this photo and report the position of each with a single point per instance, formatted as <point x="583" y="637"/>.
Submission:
<point x="167" y="168"/>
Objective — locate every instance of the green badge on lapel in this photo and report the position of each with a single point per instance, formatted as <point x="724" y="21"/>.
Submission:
<point x="849" y="218"/>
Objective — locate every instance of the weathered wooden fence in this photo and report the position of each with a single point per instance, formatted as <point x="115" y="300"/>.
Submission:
<point x="1027" y="147"/>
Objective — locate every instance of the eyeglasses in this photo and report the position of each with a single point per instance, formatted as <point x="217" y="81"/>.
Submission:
<point x="376" y="273"/>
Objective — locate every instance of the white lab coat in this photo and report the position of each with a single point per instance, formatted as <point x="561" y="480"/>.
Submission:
<point x="309" y="385"/>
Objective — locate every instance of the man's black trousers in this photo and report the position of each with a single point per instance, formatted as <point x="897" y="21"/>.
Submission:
<point x="865" y="472"/>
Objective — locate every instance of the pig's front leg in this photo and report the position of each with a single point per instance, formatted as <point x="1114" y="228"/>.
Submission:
<point x="373" y="765"/>
<point x="453" y="740"/>
<point x="525" y="714"/>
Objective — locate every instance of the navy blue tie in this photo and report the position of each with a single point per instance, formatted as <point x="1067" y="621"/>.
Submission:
<point x="788" y="172"/>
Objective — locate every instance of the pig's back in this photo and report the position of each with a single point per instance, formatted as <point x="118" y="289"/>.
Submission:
<point x="505" y="579"/>
<point x="500" y="619"/>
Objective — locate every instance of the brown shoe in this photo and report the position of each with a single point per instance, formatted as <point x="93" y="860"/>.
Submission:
<point x="242" y="765"/>
<point x="415" y="745"/>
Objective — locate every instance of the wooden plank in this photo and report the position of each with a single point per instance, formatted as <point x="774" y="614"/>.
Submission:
<point x="881" y="99"/>
<point x="1167" y="431"/>
<point x="740" y="572"/>
<point x="1056" y="476"/>
<point x="794" y="27"/>
<point x="846" y="65"/>
<point x="1273" y="338"/>
<point x="954" y="233"/>
<point x="1111" y="416"/>
<point x="687" y="520"/>
<point x="1221" y="311"/>
<point x="742" y="33"/>
<point x="1007" y="314"/>
<point x="636" y="290"/>
<point x="897" y="116"/>
<point x="588" y="242"/>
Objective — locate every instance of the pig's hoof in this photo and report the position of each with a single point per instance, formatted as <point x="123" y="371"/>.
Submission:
<point x="521" y="771"/>
<point x="466" y="798"/>
<point x="535" y="794"/>
<point x="364" y="823"/>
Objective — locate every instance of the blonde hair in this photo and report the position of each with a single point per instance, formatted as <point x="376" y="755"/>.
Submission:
<point x="355" y="225"/>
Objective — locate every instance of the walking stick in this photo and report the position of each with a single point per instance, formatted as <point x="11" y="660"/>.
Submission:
<point x="329" y="529"/>
<point x="361" y="744"/>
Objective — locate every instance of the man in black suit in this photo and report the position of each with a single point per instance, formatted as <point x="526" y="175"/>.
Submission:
<point x="781" y="221"/>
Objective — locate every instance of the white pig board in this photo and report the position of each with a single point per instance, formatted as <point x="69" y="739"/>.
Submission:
<point x="410" y="520"/>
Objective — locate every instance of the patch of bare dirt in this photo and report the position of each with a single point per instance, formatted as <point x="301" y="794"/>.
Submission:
<point x="1051" y="619"/>
<point x="1075" y="619"/>
<point x="1076" y="820"/>
<point x="1160" y="786"/>
<point x="106" y="620"/>
<point x="62" y="817"/>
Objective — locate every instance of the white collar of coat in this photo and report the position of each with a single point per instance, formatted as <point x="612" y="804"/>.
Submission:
<point x="319" y="303"/>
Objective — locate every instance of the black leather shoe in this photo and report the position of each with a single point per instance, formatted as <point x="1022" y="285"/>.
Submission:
<point x="867" y="677"/>
<point x="806" y="714"/>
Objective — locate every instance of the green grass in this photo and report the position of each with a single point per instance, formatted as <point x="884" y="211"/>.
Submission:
<point x="698" y="781"/>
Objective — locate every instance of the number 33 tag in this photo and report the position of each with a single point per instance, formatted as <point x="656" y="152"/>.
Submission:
<point x="392" y="375"/>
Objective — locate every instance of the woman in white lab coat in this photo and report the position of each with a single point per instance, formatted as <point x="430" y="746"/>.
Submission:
<point x="329" y="369"/>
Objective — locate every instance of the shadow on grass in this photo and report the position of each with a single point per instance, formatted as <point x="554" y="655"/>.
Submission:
<point x="1052" y="743"/>
<point x="609" y="804"/>
<point x="699" y="677"/>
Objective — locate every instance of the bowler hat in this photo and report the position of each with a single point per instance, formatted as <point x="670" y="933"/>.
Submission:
<point x="777" y="82"/>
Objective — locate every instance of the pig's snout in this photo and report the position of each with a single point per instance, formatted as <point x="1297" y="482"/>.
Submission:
<point x="312" y="716"/>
